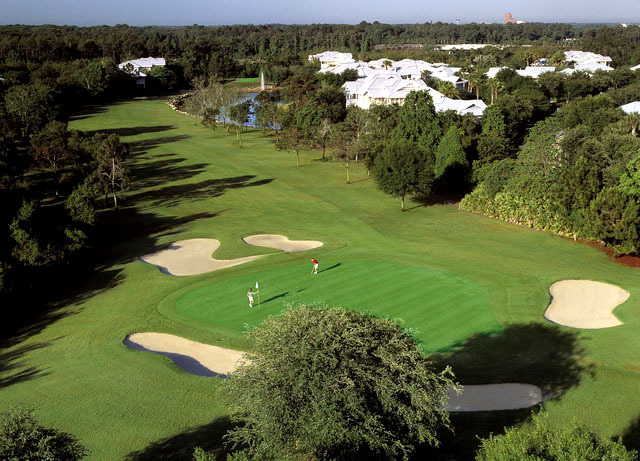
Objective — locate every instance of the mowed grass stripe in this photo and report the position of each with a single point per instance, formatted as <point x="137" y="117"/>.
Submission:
<point x="443" y="308"/>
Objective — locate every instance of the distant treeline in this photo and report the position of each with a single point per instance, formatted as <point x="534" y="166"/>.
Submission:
<point x="39" y="44"/>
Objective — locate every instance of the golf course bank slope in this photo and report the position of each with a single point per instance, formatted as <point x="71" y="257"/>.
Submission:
<point x="584" y="304"/>
<point x="191" y="356"/>
<point x="193" y="257"/>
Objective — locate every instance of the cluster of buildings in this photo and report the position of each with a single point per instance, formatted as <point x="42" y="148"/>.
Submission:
<point x="389" y="82"/>
<point x="138" y="67"/>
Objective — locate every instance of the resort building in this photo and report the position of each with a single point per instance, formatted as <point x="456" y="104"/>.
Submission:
<point x="393" y="89"/>
<point x="138" y="67"/>
<point x="331" y="58"/>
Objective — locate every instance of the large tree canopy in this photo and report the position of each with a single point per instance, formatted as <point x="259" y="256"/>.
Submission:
<point x="328" y="383"/>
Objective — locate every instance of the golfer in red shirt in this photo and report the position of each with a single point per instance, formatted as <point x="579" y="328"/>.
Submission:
<point x="315" y="266"/>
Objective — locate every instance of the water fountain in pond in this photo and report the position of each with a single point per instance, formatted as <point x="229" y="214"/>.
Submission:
<point x="262" y="88"/>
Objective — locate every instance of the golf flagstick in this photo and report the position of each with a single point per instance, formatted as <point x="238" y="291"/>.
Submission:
<point x="258" y="293"/>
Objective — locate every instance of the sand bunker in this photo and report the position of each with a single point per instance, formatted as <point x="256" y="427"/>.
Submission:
<point x="492" y="397"/>
<point x="281" y="242"/>
<point x="193" y="357"/>
<point x="191" y="257"/>
<point x="213" y="361"/>
<point x="584" y="304"/>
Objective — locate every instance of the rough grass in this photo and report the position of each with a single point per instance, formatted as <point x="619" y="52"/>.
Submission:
<point x="73" y="369"/>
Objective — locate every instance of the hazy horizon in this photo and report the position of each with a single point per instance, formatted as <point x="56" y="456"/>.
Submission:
<point x="226" y="12"/>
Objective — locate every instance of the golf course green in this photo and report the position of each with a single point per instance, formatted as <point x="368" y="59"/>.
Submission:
<point x="418" y="296"/>
<point x="474" y="290"/>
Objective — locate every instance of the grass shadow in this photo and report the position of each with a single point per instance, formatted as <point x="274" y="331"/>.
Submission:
<point x="181" y="446"/>
<point x="631" y="436"/>
<point x="329" y="268"/>
<point x="281" y="295"/>
<point x="176" y="194"/>
<point x="131" y="131"/>
<point x="11" y="365"/>
<point x="544" y="355"/>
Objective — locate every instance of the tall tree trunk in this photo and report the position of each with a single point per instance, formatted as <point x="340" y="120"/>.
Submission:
<point x="402" y="202"/>
<point x="297" y="158"/>
<point x="113" y="183"/>
<point x="348" y="177"/>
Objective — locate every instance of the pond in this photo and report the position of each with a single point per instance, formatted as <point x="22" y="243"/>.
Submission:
<point x="251" y="97"/>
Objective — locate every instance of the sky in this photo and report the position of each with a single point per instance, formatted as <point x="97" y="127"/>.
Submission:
<point x="217" y="12"/>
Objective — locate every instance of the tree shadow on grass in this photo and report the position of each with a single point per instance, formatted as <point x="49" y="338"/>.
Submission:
<point x="181" y="446"/>
<point x="131" y="131"/>
<point x="534" y="353"/>
<point x="136" y="148"/>
<point x="545" y="355"/>
<point x="176" y="194"/>
<point x="631" y="436"/>
<point x="12" y="369"/>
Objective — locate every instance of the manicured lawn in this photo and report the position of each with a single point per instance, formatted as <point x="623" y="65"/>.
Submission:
<point x="446" y="309"/>
<point x="474" y="288"/>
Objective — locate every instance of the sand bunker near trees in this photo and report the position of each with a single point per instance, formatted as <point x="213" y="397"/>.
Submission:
<point x="493" y="397"/>
<point x="584" y="304"/>
<point x="213" y="361"/>
<point x="191" y="356"/>
<point x="193" y="257"/>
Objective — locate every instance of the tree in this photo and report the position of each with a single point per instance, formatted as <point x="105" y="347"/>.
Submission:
<point x="451" y="164"/>
<point x="239" y="113"/>
<point x="332" y="383"/>
<point x="111" y="174"/>
<point x="51" y="149"/>
<point x="291" y="139"/>
<point x="544" y="442"/>
<point x="29" y="106"/>
<point x="402" y="169"/>
<point x="21" y="437"/>
<point x="613" y="218"/>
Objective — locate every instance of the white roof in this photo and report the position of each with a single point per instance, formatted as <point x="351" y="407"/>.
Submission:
<point x="332" y="56"/>
<point x="144" y="63"/>
<point x="631" y="107"/>
<point x="385" y="86"/>
<point x="534" y="71"/>
<point x="493" y="71"/>
<point x="584" y="56"/>
<point x="592" y="67"/>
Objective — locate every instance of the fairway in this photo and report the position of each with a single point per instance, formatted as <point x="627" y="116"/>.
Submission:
<point x="475" y="289"/>
<point x="444" y="309"/>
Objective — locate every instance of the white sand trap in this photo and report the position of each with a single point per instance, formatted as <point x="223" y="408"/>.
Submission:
<point x="492" y="397"/>
<point x="191" y="257"/>
<point x="280" y="242"/>
<point x="193" y="357"/>
<point x="584" y="304"/>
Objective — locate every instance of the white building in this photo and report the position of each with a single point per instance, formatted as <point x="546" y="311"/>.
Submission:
<point x="331" y="58"/>
<point x="139" y="67"/>
<point x="631" y="107"/>
<point x="534" y="71"/>
<point x="393" y="89"/>
<point x="586" y="57"/>
<point x="493" y="71"/>
<point x="380" y="89"/>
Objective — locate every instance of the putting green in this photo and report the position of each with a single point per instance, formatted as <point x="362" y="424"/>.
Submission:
<point x="443" y="308"/>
